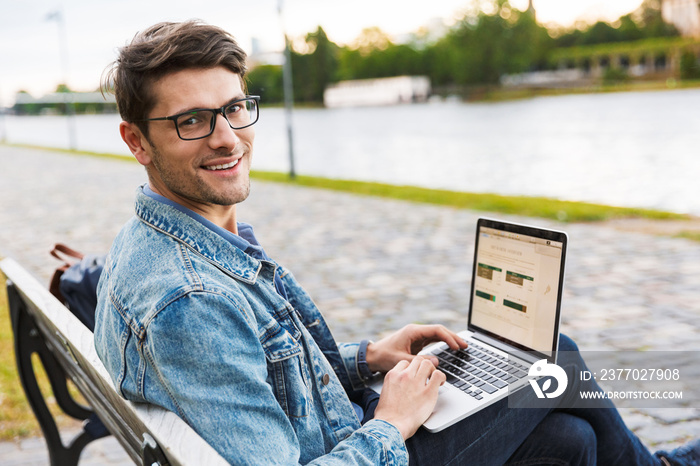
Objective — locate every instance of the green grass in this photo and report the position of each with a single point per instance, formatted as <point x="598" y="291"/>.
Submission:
<point x="691" y="235"/>
<point x="16" y="417"/>
<point x="106" y="155"/>
<point x="565" y="211"/>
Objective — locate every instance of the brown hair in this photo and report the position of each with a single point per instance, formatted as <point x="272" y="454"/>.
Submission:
<point x="162" y="49"/>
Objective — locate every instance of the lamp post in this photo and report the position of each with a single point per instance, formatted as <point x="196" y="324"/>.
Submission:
<point x="288" y="92"/>
<point x="63" y="50"/>
<point x="3" y="127"/>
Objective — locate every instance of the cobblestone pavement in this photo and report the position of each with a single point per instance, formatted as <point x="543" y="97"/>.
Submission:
<point x="372" y="265"/>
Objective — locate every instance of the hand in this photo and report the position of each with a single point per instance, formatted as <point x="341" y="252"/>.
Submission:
<point x="406" y="343"/>
<point x="409" y="395"/>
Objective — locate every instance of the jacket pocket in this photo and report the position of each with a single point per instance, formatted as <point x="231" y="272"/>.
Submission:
<point x="286" y="369"/>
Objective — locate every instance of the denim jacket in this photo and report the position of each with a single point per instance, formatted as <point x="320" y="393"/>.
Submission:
<point x="189" y="322"/>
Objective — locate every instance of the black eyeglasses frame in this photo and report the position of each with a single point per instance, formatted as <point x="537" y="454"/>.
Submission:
<point x="217" y="111"/>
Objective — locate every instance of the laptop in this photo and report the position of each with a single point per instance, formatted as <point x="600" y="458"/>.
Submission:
<point x="513" y="319"/>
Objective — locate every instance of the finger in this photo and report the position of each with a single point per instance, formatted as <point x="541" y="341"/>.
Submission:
<point x="433" y="333"/>
<point x="428" y="357"/>
<point x="415" y="365"/>
<point x="437" y="378"/>
<point x="425" y="369"/>
<point x="453" y="340"/>
<point x="401" y="365"/>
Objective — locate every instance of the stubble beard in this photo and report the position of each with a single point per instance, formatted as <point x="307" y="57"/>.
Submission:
<point x="195" y="188"/>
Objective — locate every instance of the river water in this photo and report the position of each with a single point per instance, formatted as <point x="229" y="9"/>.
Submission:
<point x="628" y="149"/>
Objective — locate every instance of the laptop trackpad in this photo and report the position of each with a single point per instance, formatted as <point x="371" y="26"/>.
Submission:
<point x="451" y="405"/>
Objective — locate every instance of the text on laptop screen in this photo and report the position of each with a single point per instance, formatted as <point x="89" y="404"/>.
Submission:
<point x="516" y="287"/>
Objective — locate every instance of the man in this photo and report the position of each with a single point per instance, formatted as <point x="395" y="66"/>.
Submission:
<point x="193" y="316"/>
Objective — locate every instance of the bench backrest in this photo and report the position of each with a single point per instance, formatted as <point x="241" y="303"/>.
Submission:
<point x="73" y="346"/>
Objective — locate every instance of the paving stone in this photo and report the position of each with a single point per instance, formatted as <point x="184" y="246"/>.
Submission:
<point x="672" y="415"/>
<point x="30" y="444"/>
<point x="636" y="420"/>
<point x="6" y="448"/>
<point x="403" y="262"/>
<point x="672" y="435"/>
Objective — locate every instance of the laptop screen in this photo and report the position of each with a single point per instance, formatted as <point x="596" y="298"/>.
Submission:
<point x="517" y="285"/>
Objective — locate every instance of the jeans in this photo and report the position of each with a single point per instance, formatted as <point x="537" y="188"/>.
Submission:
<point x="549" y="435"/>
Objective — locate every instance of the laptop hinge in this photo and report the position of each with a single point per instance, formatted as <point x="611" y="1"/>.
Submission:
<point x="523" y="355"/>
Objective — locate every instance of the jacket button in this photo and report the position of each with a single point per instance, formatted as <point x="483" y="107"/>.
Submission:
<point x="326" y="379"/>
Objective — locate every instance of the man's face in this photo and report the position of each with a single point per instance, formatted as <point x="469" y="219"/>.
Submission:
<point x="186" y="171"/>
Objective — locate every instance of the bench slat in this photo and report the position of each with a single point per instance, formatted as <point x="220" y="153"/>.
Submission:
<point x="73" y="345"/>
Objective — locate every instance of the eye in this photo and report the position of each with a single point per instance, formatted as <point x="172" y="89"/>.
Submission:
<point x="190" y="119"/>
<point x="235" y="108"/>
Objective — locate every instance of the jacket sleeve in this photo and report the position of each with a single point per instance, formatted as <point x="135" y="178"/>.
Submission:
<point x="206" y="353"/>
<point x="349" y="353"/>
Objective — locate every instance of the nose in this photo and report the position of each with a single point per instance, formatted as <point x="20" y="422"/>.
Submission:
<point x="223" y="136"/>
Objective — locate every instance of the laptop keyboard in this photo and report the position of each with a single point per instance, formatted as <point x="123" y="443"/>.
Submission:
<point x="476" y="370"/>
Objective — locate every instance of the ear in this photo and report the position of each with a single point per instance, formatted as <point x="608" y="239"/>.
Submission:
<point x="136" y="141"/>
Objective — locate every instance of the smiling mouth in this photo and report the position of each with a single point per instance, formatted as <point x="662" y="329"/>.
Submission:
<point x="222" y="167"/>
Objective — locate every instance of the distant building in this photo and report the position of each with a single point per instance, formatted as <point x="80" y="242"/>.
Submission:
<point x="684" y="14"/>
<point x="381" y="91"/>
<point x="55" y="103"/>
<point x="22" y="98"/>
<point x="579" y="66"/>
<point x="261" y="54"/>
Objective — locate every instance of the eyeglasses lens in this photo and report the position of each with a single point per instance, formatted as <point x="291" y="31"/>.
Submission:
<point x="194" y="124"/>
<point x="198" y="124"/>
<point x="242" y="114"/>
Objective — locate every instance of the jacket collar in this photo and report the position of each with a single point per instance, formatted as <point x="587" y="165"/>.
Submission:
<point x="202" y="240"/>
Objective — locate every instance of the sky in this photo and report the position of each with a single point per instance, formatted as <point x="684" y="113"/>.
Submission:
<point x="30" y="50"/>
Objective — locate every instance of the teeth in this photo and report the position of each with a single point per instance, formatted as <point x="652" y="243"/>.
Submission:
<point x="223" y="167"/>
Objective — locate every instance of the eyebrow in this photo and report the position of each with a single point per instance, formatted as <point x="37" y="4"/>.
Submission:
<point x="194" y="109"/>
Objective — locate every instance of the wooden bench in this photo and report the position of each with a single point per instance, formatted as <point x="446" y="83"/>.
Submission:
<point x="42" y="325"/>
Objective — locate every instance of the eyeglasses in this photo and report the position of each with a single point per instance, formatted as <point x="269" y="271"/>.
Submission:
<point x="199" y="123"/>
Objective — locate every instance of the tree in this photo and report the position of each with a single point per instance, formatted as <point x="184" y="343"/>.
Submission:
<point x="490" y="40"/>
<point x="648" y="17"/>
<point x="645" y="22"/>
<point x="313" y="71"/>
<point x="481" y="48"/>
<point x="266" y="81"/>
<point x="370" y="40"/>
